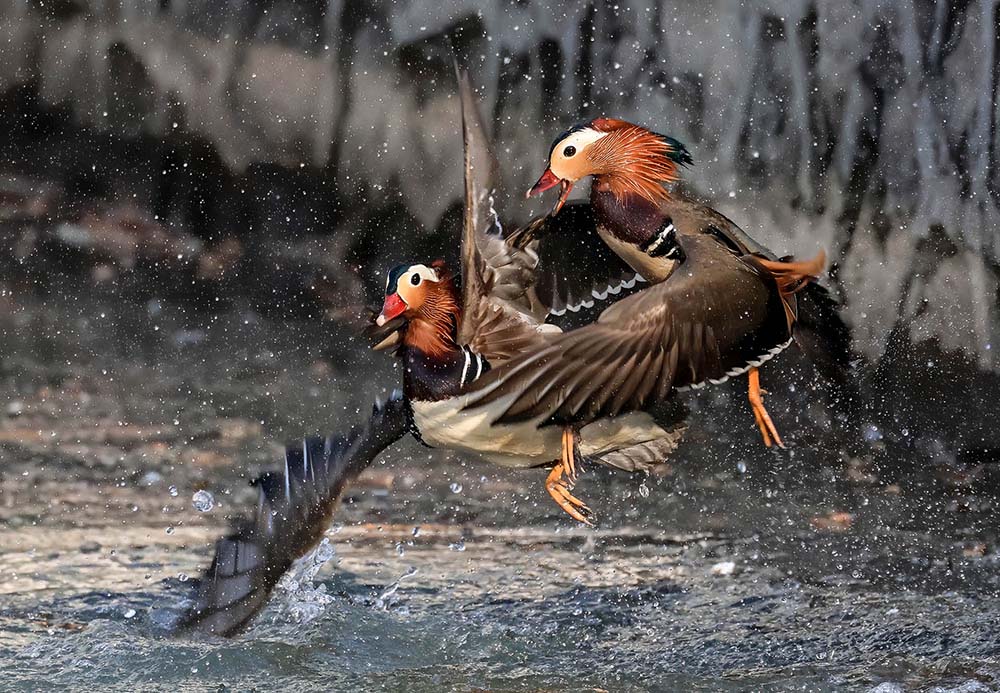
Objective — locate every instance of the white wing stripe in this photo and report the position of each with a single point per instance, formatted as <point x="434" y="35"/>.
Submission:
<point x="612" y="289"/>
<point x="465" y="368"/>
<point x="771" y="353"/>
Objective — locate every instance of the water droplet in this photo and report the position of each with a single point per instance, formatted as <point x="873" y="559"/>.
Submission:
<point x="324" y="552"/>
<point x="170" y="530"/>
<point x="458" y="545"/>
<point x="871" y="433"/>
<point x="416" y="531"/>
<point x="643" y="490"/>
<point x="129" y="613"/>
<point x="203" y="501"/>
<point x="741" y="467"/>
<point x="455" y="487"/>
<point x="173" y="491"/>
<point x="400" y="549"/>
<point x="182" y="577"/>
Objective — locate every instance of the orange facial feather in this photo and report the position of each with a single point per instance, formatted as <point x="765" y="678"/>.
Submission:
<point x="434" y="328"/>
<point x="631" y="160"/>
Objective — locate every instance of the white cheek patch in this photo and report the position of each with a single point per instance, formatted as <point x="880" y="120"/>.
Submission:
<point x="580" y="139"/>
<point x="426" y="273"/>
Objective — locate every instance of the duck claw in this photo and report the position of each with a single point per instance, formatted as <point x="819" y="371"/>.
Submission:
<point x="559" y="487"/>
<point x="768" y="430"/>
<point x="573" y="506"/>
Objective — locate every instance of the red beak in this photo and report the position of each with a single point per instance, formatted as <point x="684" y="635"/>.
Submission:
<point x="393" y="307"/>
<point x="550" y="180"/>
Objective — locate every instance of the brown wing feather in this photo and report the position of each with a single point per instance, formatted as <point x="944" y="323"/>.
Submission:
<point x="692" y="216"/>
<point x="500" y="314"/>
<point x="481" y="178"/>
<point x="715" y="313"/>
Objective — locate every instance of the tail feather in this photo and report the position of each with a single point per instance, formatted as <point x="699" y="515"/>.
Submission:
<point x="819" y="327"/>
<point x="791" y="277"/>
<point x="294" y="508"/>
<point x="823" y="333"/>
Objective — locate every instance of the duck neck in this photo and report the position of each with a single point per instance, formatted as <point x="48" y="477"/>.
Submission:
<point x="632" y="167"/>
<point x="432" y="358"/>
<point x="627" y="214"/>
<point x="434" y="340"/>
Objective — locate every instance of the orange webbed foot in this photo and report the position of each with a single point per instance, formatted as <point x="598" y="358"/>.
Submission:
<point x="559" y="487"/>
<point x="767" y="428"/>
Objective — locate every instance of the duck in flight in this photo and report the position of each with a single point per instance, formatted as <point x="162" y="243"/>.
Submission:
<point x="646" y="224"/>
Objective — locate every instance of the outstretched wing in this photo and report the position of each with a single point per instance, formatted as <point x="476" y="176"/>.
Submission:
<point x="501" y="315"/>
<point x="293" y="511"/>
<point x="577" y="273"/>
<point x="716" y="316"/>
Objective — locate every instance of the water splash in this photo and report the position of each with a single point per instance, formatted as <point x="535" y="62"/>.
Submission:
<point x="387" y="598"/>
<point x="297" y="598"/>
<point x="496" y="217"/>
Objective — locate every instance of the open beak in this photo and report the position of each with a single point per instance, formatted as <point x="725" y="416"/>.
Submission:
<point x="550" y="180"/>
<point x="393" y="307"/>
<point x="386" y="331"/>
<point x="387" y="336"/>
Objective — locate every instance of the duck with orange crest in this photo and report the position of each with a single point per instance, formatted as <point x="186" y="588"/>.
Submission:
<point x="635" y="211"/>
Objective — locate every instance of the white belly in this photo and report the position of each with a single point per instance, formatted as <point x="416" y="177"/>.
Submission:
<point x="444" y="425"/>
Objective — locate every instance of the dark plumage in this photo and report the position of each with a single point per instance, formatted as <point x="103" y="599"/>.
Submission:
<point x="677" y="151"/>
<point x="715" y="317"/>
<point x="293" y="510"/>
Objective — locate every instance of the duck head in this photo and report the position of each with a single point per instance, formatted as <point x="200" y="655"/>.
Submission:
<point x="627" y="158"/>
<point x="420" y="309"/>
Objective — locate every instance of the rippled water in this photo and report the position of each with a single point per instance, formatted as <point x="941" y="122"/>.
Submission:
<point x="738" y="570"/>
<point x="534" y="607"/>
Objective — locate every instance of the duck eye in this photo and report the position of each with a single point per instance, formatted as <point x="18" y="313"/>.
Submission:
<point x="415" y="279"/>
<point x="569" y="151"/>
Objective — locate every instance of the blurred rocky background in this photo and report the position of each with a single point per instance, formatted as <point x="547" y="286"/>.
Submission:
<point x="273" y="157"/>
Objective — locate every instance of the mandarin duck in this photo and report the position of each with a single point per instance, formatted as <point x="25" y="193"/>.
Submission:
<point x="633" y="214"/>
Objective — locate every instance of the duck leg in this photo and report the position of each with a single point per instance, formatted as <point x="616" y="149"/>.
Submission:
<point x="562" y="478"/>
<point x="764" y="423"/>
